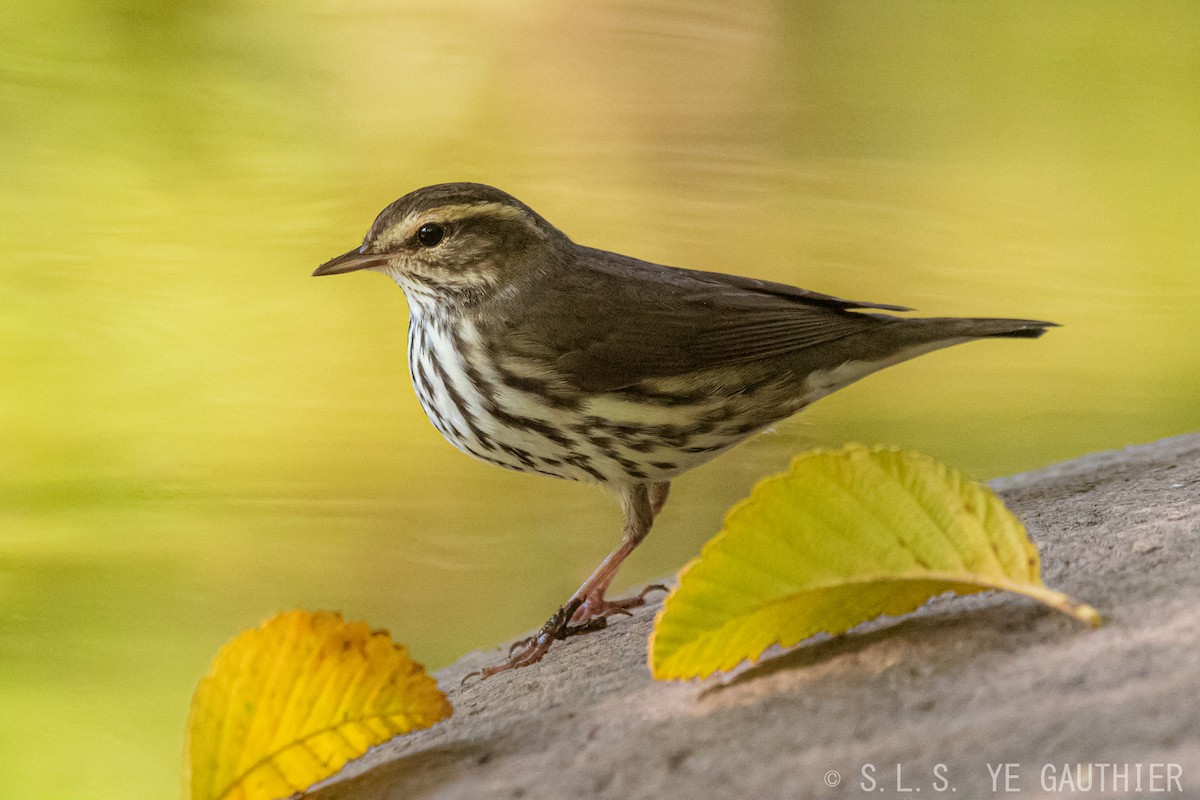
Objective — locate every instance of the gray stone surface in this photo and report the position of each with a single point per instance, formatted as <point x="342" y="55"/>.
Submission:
<point x="968" y="683"/>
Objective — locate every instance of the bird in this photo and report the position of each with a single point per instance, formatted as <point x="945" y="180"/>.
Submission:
<point x="537" y="354"/>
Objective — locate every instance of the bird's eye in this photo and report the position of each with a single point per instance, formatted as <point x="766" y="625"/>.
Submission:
<point x="430" y="234"/>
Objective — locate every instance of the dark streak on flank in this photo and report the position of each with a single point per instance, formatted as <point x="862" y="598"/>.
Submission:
<point x="582" y="462"/>
<point x="488" y="393"/>
<point x="542" y="389"/>
<point x="646" y="396"/>
<point x="462" y="407"/>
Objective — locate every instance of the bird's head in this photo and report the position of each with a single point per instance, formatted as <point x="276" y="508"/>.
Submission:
<point x="453" y="240"/>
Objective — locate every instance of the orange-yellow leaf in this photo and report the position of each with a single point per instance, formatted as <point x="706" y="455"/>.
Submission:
<point x="288" y="703"/>
<point x="841" y="538"/>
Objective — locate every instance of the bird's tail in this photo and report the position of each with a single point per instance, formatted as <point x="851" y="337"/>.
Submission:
<point x="977" y="328"/>
<point x="891" y="340"/>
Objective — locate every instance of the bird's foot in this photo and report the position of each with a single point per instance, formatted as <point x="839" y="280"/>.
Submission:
<point x="597" y="607"/>
<point x="525" y="652"/>
<point x="577" y="617"/>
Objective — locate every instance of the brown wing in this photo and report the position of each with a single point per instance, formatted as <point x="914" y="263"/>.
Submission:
<point x="612" y="321"/>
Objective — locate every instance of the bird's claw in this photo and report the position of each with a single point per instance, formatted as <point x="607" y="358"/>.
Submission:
<point x="654" y="587"/>
<point x="563" y="625"/>
<point x="530" y="650"/>
<point x="599" y="607"/>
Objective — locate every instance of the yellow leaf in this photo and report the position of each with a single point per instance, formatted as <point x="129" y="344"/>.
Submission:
<point x="842" y="537"/>
<point x="288" y="703"/>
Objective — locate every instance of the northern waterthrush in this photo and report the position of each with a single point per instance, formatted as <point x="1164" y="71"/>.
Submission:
<point x="534" y="353"/>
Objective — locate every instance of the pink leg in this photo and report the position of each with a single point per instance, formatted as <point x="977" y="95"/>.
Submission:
<point x="586" y="609"/>
<point x="639" y="517"/>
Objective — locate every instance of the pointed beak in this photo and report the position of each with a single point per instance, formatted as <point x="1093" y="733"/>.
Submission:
<point x="350" y="262"/>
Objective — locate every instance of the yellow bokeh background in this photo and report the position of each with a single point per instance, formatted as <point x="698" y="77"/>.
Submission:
<point x="197" y="434"/>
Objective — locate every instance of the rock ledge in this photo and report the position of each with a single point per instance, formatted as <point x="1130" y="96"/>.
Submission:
<point x="950" y="693"/>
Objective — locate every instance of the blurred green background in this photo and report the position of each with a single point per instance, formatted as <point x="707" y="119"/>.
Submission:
<point x="196" y="434"/>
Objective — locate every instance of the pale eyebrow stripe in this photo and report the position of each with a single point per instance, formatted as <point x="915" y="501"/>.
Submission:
<point x="454" y="213"/>
<point x="465" y="211"/>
